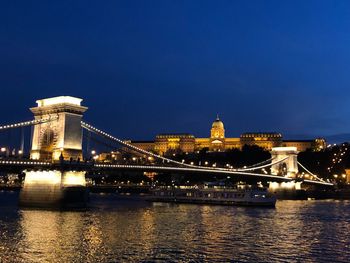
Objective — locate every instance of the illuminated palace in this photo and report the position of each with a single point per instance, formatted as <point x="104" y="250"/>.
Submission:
<point x="170" y="143"/>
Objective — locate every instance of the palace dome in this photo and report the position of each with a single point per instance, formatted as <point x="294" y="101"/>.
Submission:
<point x="218" y="124"/>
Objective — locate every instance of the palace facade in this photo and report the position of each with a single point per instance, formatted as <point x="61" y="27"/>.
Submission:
<point x="171" y="143"/>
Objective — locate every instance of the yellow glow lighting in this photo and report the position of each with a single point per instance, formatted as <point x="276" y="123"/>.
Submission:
<point x="59" y="100"/>
<point x="282" y="149"/>
<point x="74" y="178"/>
<point x="43" y="177"/>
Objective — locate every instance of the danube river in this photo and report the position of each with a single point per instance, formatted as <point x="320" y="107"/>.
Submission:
<point x="128" y="229"/>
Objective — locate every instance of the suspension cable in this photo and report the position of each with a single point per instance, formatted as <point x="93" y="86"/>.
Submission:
<point x="106" y="135"/>
<point x="108" y="145"/>
<point x="263" y="166"/>
<point x="314" y="175"/>
<point x="27" y="123"/>
<point x="254" y="165"/>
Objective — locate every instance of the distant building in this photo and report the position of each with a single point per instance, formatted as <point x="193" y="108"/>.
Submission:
<point x="145" y="145"/>
<point x="347" y="176"/>
<point x="174" y="142"/>
<point x="184" y="142"/>
<point x="303" y="145"/>
<point x="266" y="140"/>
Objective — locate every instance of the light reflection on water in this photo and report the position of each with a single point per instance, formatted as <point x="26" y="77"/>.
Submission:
<point x="132" y="230"/>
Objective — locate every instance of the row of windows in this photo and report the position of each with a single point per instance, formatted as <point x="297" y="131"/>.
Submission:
<point x="257" y="135"/>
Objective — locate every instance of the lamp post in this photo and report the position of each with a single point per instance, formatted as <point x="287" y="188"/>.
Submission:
<point x="5" y="151"/>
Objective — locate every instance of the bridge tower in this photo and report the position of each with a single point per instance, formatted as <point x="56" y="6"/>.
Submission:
<point x="289" y="167"/>
<point x="61" y="135"/>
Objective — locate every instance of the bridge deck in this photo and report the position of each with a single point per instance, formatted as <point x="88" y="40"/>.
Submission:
<point x="94" y="167"/>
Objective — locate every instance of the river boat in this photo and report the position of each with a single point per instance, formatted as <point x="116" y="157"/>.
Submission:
<point x="218" y="196"/>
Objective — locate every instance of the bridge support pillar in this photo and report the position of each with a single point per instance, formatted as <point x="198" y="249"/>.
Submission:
<point x="288" y="190"/>
<point x="274" y="186"/>
<point x="54" y="189"/>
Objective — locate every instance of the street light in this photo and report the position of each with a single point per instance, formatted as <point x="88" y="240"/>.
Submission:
<point x="93" y="152"/>
<point x="3" y="149"/>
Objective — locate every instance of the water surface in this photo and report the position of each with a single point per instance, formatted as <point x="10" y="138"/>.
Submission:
<point x="129" y="229"/>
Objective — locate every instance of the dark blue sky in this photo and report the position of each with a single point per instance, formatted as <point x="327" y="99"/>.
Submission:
<point x="148" y="67"/>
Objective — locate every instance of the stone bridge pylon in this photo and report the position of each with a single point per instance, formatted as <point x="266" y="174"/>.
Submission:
<point x="62" y="134"/>
<point x="288" y="167"/>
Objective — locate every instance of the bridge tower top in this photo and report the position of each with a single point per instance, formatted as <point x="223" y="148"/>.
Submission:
<point x="63" y="133"/>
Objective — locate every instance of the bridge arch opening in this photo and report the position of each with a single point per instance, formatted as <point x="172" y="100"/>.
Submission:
<point x="47" y="144"/>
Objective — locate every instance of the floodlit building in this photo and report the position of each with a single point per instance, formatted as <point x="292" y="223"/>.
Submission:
<point x="180" y="142"/>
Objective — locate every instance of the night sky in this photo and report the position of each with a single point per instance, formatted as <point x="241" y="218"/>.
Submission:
<point x="149" y="67"/>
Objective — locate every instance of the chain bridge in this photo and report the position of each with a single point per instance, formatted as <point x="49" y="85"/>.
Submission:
<point x="56" y="168"/>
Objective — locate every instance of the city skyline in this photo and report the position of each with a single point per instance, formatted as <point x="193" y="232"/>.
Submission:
<point x="228" y="133"/>
<point x="172" y="66"/>
<point x="174" y="131"/>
